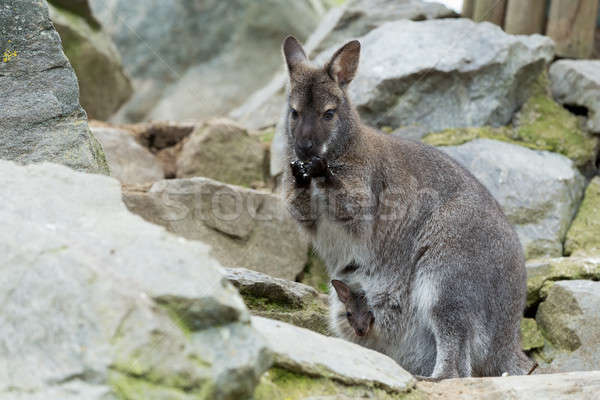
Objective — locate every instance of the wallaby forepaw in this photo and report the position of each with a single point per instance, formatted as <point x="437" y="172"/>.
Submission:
<point x="318" y="167"/>
<point x="301" y="173"/>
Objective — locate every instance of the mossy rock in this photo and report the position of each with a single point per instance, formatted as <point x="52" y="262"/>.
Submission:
<point x="103" y="84"/>
<point x="531" y="337"/>
<point x="282" y="300"/>
<point x="541" y="274"/>
<point x="282" y="384"/>
<point x="583" y="237"/>
<point x="315" y="273"/>
<point x="541" y="124"/>
<point x="129" y="387"/>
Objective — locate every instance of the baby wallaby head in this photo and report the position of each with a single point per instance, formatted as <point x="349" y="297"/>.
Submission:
<point x="320" y="118"/>
<point x="358" y="313"/>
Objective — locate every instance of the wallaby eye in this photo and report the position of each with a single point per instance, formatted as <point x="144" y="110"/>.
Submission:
<point x="348" y="314"/>
<point x="328" y="115"/>
<point x="294" y="113"/>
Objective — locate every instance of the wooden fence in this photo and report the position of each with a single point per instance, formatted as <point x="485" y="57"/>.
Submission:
<point x="571" y="24"/>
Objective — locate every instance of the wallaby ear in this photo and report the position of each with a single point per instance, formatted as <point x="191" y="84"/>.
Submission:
<point x="342" y="290"/>
<point x="293" y="52"/>
<point x="344" y="63"/>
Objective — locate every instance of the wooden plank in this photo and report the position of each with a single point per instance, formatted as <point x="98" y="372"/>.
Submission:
<point x="525" y="17"/>
<point x="467" y="8"/>
<point x="572" y="25"/>
<point x="489" y="10"/>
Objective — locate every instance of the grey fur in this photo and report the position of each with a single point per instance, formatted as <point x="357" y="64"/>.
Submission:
<point x="440" y="265"/>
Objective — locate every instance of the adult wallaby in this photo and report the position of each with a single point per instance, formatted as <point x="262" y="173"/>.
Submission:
<point x="441" y="267"/>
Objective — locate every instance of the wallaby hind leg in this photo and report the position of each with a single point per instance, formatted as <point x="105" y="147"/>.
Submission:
<point x="452" y="358"/>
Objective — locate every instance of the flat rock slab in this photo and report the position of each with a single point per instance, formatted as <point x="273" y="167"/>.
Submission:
<point x="538" y="190"/>
<point x="40" y="115"/>
<point x="306" y="352"/>
<point x="245" y="228"/>
<point x="576" y="386"/>
<point x="577" y="82"/>
<point x="570" y="321"/>
<point x="99" y="303"/>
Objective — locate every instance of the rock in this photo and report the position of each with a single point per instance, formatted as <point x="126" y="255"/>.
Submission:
<point x="40" y="115"/>
<point x="223" y="150"/>
<point x="484" y="80"/>
<point x="186" y="78"/>
<point x="570" y="322"/>
<point x="392" y="89"/>
<point x="583" y="236"/>
<point x="327" y="366"/>
<point x="281" y="299"/>
<point x="79" y="7"/>
<point x="538" y="190"/>
<point x="541" y="274"/>
<point x="573" y="386"/>
<point x="128" y="161"/>
<point x="245" y="228"/>
<point x="352" y="19"/>
<point x="360" y="17"/>
<point x="577" y="82"/>
<point x="103" y="85"/>
<point x="541" y="124"/>
<point x="98" y="303"/>
<point x="315" y="273"/>
<point x="531" y="337"/>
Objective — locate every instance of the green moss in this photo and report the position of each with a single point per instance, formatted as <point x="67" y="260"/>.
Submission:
<point x="98" y="154"/>
<point x="541" y="124"/>
<point x="583" y="237"/>
<point x="282" y="384"/>
<point x="128" y="387"/>
<point x="553" y="318"/>
<point x="313" y="316"/>
<point x="531" y="337"/>
<point x="267" y="135"/>
<point x="539" y="276"/>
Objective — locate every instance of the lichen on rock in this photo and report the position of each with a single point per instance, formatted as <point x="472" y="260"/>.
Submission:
<point x="541" y="124"/>
<point x="583" y="237"/>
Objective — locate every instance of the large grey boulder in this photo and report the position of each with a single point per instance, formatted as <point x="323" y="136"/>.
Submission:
<point x="325" y="366"/>
<point x="352" y="19"/>
<point x="439" y="74"/>
<point x="99" y="304"/>
<point x="570" y="322"/>
<point x="103" y="85"/>
<point x="40" y="115"/>
<point x="128" y="161"/>
<point x="538" y="190"/>
<point x="571" y="386"/>
<point x="577" y="82"/>
<point x="245" y="228"/>
<point x="191" y="59"/>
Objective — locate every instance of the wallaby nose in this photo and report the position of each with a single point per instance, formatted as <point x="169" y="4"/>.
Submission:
<point x="360" y="332"/>
<point x="304" y="147"/>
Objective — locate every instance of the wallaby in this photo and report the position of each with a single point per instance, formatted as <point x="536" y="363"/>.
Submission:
<point x="357" y="317"/>
<point x="442" y="268"/>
